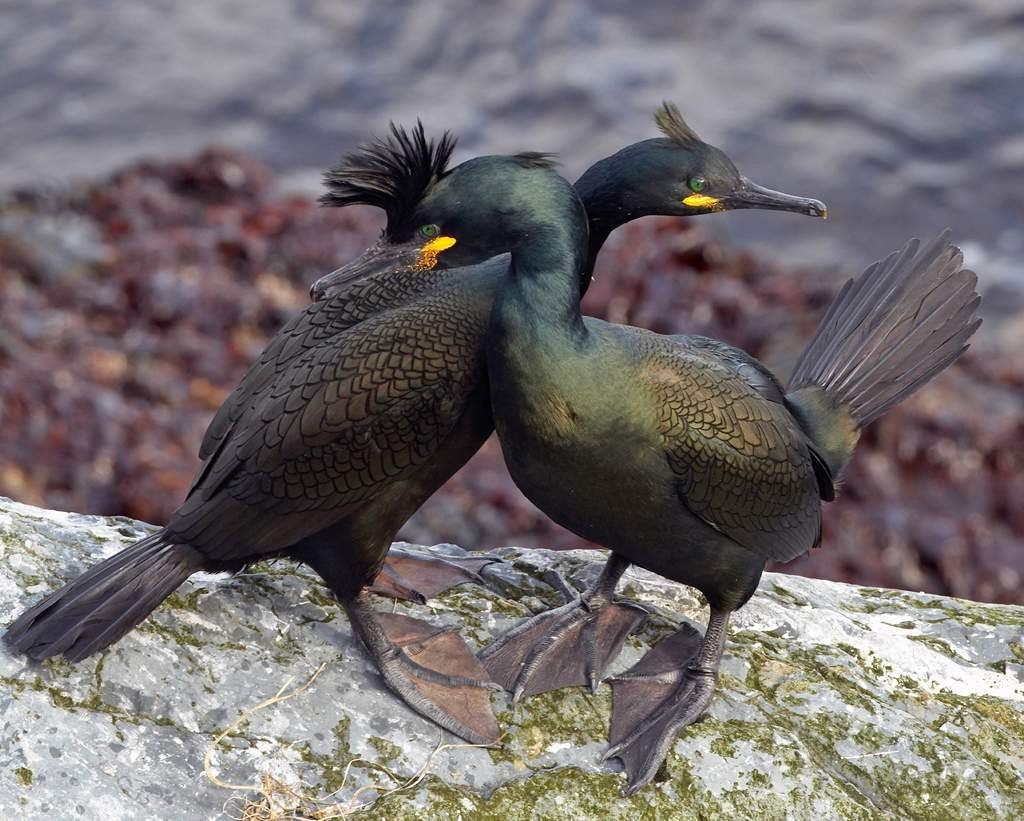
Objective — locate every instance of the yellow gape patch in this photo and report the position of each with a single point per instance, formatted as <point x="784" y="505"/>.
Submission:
<point x="703" y="201"/>
<point x="429" y="252"/>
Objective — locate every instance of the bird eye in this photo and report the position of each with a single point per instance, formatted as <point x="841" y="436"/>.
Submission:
<point x="697" y="184"/>
<point x="430" y="231"/>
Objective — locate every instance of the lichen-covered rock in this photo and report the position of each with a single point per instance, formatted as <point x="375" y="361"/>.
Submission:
<point x="834" y="701"/>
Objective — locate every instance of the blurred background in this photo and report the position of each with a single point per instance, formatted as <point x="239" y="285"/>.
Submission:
<point x="159" y="163"/>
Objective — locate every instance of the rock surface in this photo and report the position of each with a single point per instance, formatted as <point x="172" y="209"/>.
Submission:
<point x="835" y="701"/>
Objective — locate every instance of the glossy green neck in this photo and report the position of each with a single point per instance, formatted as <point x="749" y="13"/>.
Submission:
<point x="543" y="288"/>
<point x="611" y="191"/>
<point x="600" y="229"/>
<point x="608" y="190"/>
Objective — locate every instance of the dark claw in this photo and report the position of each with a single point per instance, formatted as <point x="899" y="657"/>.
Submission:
<point x="558" y="583"/>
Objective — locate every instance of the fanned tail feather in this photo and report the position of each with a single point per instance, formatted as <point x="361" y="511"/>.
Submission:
<point x="887" y="332"/>
<point x="891" y="329"/>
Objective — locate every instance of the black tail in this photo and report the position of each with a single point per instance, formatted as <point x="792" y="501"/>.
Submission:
<point x="104" y="603"/>
<point x="889" y="331"/>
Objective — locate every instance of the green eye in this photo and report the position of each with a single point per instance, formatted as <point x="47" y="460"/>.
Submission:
<point x="697" y="184"/>
<point x="430" y="231"/>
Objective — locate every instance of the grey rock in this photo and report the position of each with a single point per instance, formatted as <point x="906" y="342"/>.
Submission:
<point x="835" y="701"/>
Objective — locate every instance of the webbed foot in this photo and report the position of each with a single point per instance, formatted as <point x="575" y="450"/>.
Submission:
<point x="569" y="646"/>
<point x="431" y="668"/>
<point x="667" y="690"/>
<point x="414" y="577"/>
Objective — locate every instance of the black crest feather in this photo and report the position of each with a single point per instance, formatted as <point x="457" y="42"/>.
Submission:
<point x="392" y="174"/>
<point x="537" y="159"/>
<point x="671" y="123"/>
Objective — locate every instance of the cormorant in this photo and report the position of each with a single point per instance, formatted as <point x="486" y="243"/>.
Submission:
<point x="681" y="454"/>
<point x="369" y="400"/>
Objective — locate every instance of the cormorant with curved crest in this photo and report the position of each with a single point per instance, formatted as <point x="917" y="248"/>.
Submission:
<point x="681" y="454"/>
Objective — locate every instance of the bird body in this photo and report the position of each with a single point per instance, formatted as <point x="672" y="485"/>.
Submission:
<point x="343" y="441"/>
<point x="386" y="409"/>
<point x="657" y="420"/>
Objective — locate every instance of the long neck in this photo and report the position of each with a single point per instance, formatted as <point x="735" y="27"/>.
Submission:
<point x="600" y="228"/>
<point x="544" y="286"/>
<point x="602" y="188"/>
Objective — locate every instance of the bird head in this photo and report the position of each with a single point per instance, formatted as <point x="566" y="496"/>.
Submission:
<point x="436" y="217"/>
<point x="678" y="174"/>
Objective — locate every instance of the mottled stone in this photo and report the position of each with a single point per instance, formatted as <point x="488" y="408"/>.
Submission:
<point x="835" y="701"/>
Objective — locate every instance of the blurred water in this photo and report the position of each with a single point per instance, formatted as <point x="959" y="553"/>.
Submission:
<point x="906" y="117"/>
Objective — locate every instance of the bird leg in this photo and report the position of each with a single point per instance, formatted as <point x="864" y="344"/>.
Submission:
<point x="665" y="691"/>
<point x="568" y="646"/>
<point x="431" y="668"/>
<point x="412" y="577"/>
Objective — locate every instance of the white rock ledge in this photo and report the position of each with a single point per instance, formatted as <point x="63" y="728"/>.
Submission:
<point x="835" y="701"/>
